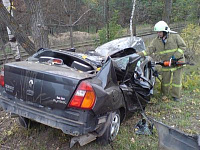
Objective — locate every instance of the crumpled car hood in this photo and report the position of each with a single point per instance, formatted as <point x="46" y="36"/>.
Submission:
<point x="117" y="45"/>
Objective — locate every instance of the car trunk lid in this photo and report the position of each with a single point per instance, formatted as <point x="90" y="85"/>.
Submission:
<point x="45" y="85"/>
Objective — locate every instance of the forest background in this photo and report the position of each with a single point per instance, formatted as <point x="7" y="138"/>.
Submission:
<point x="41" y="18"/>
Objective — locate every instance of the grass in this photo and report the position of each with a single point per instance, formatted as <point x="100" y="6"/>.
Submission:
<point x="127" y="140"/>
<point x="7" y="50"/>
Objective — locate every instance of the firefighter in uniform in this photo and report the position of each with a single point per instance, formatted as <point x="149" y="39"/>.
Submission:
<point x="168" y="45"/>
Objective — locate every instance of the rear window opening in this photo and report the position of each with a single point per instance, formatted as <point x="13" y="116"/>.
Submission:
<point x="123" y="53"/>
<point x="59" y="58"/>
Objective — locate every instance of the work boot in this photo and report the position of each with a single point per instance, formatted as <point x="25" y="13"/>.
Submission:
<point x="175" y="99"/>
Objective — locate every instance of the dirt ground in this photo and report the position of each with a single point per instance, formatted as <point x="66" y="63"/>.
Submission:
<point x="14" y="136"/>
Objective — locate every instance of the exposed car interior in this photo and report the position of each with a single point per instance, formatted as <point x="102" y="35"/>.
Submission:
<point x="65" y="59"/>
<point x="69" y="59"/>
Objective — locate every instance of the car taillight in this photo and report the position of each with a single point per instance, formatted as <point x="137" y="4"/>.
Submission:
<point x="2" y="77"/>
<point x="57" y="61"/>
<point x="84" y="96"/>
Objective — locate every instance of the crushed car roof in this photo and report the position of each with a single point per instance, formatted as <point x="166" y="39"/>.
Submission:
<point x="117" y="45"/>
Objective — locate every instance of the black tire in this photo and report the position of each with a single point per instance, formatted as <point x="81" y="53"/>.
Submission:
<point x="112" y="130"/>
<point x="27" y="123"/>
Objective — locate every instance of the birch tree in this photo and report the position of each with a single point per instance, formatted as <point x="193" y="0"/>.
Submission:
<point x="131" y="20"/>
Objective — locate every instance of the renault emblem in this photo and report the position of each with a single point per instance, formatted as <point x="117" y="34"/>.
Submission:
<point x="30" y="83"/>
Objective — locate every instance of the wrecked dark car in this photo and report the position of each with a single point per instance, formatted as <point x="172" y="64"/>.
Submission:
<point x="85" y="95"/>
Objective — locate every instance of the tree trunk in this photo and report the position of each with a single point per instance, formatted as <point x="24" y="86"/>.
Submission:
<point x="4" y="52"/>
<point x="39" y="30"/>
<point x="71" y="31"/>
<point x="134" y="25"/>
<point x="14" y="45"/>
<point x="199" y="21"/>
<point x="198" y="13"/>
<point x="107" y="21"/>
<point x="3" y="39"/>
<point x="167" y="11"/>
<point x="3" y="33"/>
<point x="20" y="35"/>
<point x="133" y="21"/>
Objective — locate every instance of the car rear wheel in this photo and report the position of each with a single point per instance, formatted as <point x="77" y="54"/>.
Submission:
<point x="26" y="123"/>
<point x="112" y="130"/>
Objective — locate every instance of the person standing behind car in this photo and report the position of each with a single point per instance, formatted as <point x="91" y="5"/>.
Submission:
<point x="168" y="45"/>
<point x="15" y="48"/>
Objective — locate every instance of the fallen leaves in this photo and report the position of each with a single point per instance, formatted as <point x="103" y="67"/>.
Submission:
<point x="132" y="140"/>
<point x="165" y="99"/>
<point x="196" y="91"/>
<point x="189" y="131"/>
<point x="193" y="102"/>
<point x="177" y="110"/>
<point x="9" y="132"/>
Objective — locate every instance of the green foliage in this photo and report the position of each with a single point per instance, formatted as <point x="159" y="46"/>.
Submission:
<point x="153" y="9"/>
<point x="184" y="10"/>
<point x="149" y="12"/>
<point x="191" y="82"/>
<point x="102" y="35"/>
<point x="191" y="35"/>
<point x="115" y="30"/>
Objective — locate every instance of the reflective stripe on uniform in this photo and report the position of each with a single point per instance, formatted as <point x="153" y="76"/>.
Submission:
<point x="145" y="53"/>
<point x="171" y="50"/>
<point x="180" y="50"/>
<point x="171" y="69"/>
<point x="168" y="84"/>
<point x="177" y="85"/>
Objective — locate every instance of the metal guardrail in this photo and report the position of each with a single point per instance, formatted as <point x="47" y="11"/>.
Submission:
<point x="10" y="56"/>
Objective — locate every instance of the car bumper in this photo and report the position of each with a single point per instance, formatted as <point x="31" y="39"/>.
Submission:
<point x="72" y="122"/>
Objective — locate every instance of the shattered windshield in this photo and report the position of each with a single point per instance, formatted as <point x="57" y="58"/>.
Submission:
<point x="123" y="61"/>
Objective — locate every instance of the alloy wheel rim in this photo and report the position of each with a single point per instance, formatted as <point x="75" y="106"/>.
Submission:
<point x="114" y="126"/>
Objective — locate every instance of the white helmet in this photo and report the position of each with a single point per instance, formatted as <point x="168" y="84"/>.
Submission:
<point x="161" y="26"/>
